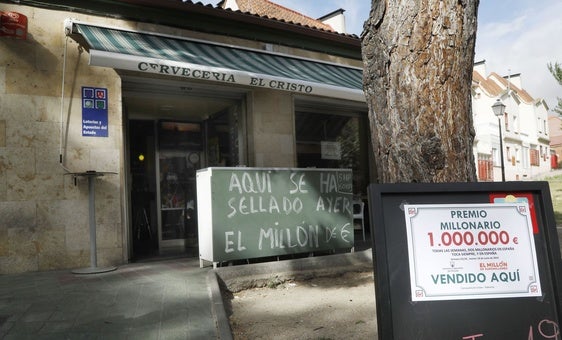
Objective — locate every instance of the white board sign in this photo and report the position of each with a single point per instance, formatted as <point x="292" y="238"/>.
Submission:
<point x="471" y="251"/>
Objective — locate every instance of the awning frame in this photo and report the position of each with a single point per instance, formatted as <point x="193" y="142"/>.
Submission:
<point x="231" y="75"/>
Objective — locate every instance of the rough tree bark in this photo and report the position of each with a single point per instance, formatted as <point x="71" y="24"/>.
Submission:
<point x="418" y="57"/>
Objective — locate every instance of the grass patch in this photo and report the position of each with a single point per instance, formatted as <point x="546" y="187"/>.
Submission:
<point x="555" y="184"/>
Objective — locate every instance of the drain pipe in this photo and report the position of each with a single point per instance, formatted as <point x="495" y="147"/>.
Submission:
<point x="67" y="31"/>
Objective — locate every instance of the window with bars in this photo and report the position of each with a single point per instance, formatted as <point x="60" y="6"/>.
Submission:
<point x="485" y="168"/>
<point x="535" y="159"/>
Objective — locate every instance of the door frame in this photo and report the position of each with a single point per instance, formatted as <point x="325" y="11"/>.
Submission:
<point x="164" y="91"/>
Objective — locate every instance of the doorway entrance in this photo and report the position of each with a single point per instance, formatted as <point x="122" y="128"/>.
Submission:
<point x="171" y="135"/>
<point x="164" y="158"/>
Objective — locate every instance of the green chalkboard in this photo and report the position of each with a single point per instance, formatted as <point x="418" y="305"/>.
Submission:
<point x="256" y="212"/>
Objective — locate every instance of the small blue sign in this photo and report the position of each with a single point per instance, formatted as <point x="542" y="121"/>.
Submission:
<point x="94" y="112"/>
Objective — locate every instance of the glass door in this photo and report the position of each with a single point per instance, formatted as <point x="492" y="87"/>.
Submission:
<point x="178" y="160"/>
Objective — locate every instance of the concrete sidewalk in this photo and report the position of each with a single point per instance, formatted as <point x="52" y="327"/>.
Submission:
<point x="169" y="299"/>
<point x="155" y="300"/>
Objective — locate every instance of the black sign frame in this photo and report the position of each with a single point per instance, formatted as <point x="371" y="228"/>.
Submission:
<point x="399" y="317"/>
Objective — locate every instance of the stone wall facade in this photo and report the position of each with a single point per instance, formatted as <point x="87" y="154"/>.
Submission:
<point x="43" y="208"/>
<point x="43" y="212"/>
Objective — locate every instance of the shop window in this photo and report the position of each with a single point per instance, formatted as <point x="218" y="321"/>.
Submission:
<point x="223" y="142"/>
<point x="333" y="141"/>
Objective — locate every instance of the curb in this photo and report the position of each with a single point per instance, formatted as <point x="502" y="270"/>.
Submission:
<point x="237" y="278"/>
<point x="217" y="307"/>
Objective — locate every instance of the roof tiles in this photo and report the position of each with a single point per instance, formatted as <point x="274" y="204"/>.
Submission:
<point x="492" y="87"/>
<point x="272" y="10"/>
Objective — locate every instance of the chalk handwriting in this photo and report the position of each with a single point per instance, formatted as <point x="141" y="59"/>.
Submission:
<point x="550" y="327"/>
<point x="248" y="205"/>
<point x="345" y="232"/>
<point x="547" y="329"/>
<point x="330" y="234"/>
<point x="334" y="204"/>
<point x="228" y="243"/>
<point x="328" y="183"/>
<point x="299" y="186"/>
<point x="259" y="183"/>
<point x="311" y="211"/>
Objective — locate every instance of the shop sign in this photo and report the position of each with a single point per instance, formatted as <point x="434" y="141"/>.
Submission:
<point x="471" y="251"/>
<point x="13" y="24"/>
<point x="246" y="213"/>
<point x="94" y="112"/>
<point x="218" y="74"/>
<point x="228" y="76"/>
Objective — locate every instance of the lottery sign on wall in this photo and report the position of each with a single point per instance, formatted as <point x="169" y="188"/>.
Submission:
<point x="94" y="112"/>
<point x="471" y="251"/>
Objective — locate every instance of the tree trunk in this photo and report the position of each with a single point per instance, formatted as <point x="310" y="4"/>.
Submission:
<point x="418" y="58"/>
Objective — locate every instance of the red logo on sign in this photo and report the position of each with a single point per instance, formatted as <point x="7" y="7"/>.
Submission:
<point x="13" y="24"/>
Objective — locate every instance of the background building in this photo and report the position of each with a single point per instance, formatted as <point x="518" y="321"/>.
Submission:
<point x="524" y="127"/>
<point x="555" y="132"/>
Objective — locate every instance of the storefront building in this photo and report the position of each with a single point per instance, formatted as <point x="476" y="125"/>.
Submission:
<point x="146" y="93"/>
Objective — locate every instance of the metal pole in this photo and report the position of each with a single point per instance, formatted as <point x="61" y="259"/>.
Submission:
<point x="92" y="220"/>
<point x="93" y="269"/>
<point x="501" y="149"/>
